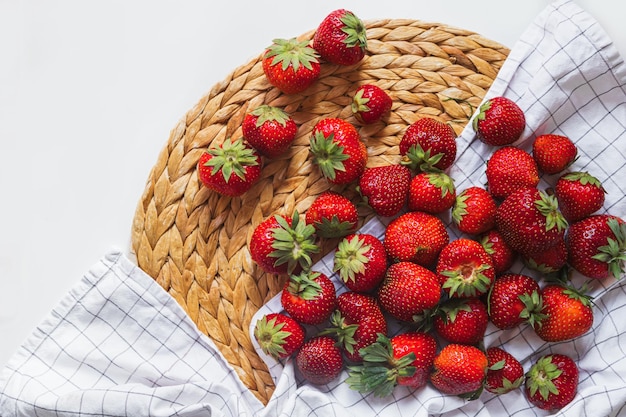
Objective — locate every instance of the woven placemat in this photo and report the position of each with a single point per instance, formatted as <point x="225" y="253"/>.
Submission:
<point x="193" y="242"/>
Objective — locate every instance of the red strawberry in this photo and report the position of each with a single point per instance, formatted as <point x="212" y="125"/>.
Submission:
<point x="474" y="211"/>
<point x="404" y="360"/>
<point x="500" y="121"/>
<point x="290" y="65"/>
<point x="552" y="382"/>
<point x="278" y="335"/>
<point x="514" y="299"/>
<point x="341" y="38"/>
<point x="361" y="261"/>
<point x="459" y="370"/>
<point x="431" y="192"/>
<point x="309" y="297"/>
<point x="332" y="215"/>
<point x="370" y="104"/>
<point x="416" y="237"/>
<point x="505" y="373"/>
<point x="270" y="130"/>
<point x="231" y="168"/>
<point x="567" y="311"/>
<point x="428" y="145"/>
<point x="282" y="244"/>
<point x="462" y="320"/>
<point x="548" y="261"/>
<point x="553" y="153"/>
<point x="596" y="246"/>
<point x="338" y="150"/>
<point x="409" y="290"/>
<point x="465" y="269"/>
<point x="385" y="188"/>
<point x="579" y="194"/>
<point x="502" y="255"/>
<point x="319" y="361"/>
<point x="510" y="169"/>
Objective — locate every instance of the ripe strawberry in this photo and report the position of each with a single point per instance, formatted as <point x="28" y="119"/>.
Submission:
<point x="509" y="169"/>
<point x="502" y="255"/>
<point x="579" y="194"/>
<point x="231" y="168"/>
<point x="500" y="121"/>
<point x="385" y="188"/>
<point x="548" y="261"/>
<point x="596" y="246"/>
<point x="552" y="382"/>
<point x="431" y="192"/>
<point x="270" y="130"/>
<point x="332" y="215"/>
<point x="409" y="291"/>
<point x="459" y="370"/>
<point x="530" y="220"/>
<point x="361" y="261"/>
<point x="514" y="299"/>
<point x="462" y="320"/>
<point x="416" y="237"/>
<point x="282" y="244"/>
<point x="278" y="335"/>
<point x="309" y="297"/>
<point x="428" y="145"/>
<point x="338" y="150"/>
<point x="474" y="211"/>
<point x="370" y="104"/>
<point x="568" y="314"/>
<point x="553" y="153"/>
<point x="319" y="360"/>
<point x="465" y="269"/>
<point x="341" y="38"/>
<point x="505" y="373"/>
<point x="290" y="65"/>
<point x="404" y="360"/>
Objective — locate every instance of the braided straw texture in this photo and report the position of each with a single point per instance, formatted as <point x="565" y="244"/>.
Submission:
<point x="193" y="242"/>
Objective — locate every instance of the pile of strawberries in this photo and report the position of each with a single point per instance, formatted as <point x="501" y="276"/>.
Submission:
<point x="443" y="291"/>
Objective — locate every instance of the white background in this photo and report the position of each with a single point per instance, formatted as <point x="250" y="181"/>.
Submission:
<point x="89" y="91"/>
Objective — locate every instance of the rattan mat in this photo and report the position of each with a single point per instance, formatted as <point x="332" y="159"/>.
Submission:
<point x="193" y="242"/>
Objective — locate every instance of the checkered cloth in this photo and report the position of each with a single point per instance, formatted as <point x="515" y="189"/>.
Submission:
<point x="118" y="345"/>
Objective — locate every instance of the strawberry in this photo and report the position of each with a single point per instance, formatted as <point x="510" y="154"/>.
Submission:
<point x="596" y="246"/>
<point x="291" y="65"/>
<point x="408" y="291"/>
<point x="552" y="382"/>
<point x="361" y="261"/>
<point x="579" y="194"/>
<point x="278" y="335"/>
<point x="514" y="299"/>
<point x="502" y="255"/>
<point x="338" y="150"/>
<point x="385" y="188"/>
<point x="231" y="168"/>
<point x="341" y="38"/>
<point x="465" y="269"/>
<point x="282" y="244"/>
<point x="428" y="145"/>
<point x="459" y="370"/>
<point x="505" y="373"/>
<point x="403" y="360"/>
<point x="548" y="261"/>
<point x="553" y="153"/>
<point x="474" y="211"/>
<point x="319" y="360"/>
<point x="309" y="297"/>
<point x="509" y="169"/>
<point x="416" y="237"/>
<point x="530" y="220"/>
<point x="500" y="121"/>
<point x="270" y="130"/>
<point x="568" y="314"/>
<point x="370" y="104"/>
<point x="431" y="192"/>
<point x="462" y="320"/>
<point x="332" y="215"/>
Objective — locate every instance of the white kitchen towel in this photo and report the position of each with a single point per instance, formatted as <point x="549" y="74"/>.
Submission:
<point x="119" y="345"/>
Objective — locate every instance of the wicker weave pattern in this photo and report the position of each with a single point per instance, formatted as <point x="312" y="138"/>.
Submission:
<point x="193" y="242"/>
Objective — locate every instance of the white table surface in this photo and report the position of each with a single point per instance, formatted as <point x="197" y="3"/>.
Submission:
<point x="89" y="92"/>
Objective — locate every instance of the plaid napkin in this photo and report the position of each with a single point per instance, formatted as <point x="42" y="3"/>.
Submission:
<point x="119" y="345"/>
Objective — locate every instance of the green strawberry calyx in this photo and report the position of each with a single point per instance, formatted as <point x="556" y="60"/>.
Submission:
<point x="541" y="378"/>
<point x="271" y="337"/>
<point x="327" y="154"/>
<point x="460" y="207"/>
<point x="350" y="258"/>
<point x="614" y="252"/>
<point x="343" y="331"/>
<point x="304" y="285"/>
<point x="533" y="306"/>
<point x="481" y="114"/>
<point x="355" y="29"/>
<point x="269" y="113"/>
<point x="292" y="52"/>
<point x="359" y="103"/>
<point x="293" y="244"/>
<point x="467" y="282"/>
<point x="584" y="178"/>
<point x="418" y="159"/>
<point x="548" y="206"/>
<point x="231" y="157"/>
<point x="442" y="181"/>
